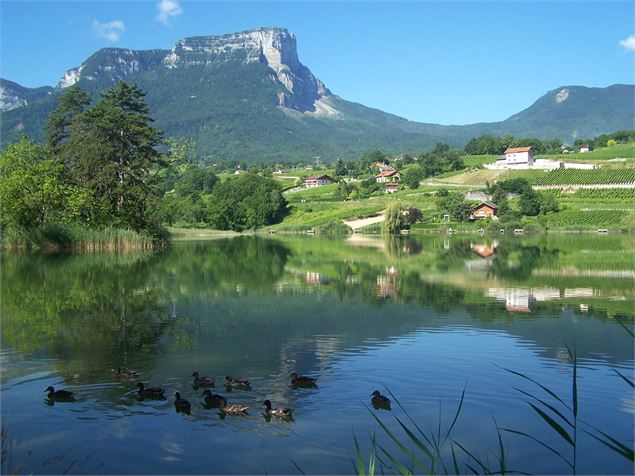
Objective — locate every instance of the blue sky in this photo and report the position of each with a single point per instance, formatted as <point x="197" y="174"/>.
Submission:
<point x="443" y="62"/>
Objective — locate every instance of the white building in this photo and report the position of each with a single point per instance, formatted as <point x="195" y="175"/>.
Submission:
<point x="317" y="181"/>
<point x="584" y="148"/>
<point x="520" y="157"/>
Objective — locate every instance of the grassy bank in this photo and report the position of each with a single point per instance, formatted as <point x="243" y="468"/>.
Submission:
<point x="67" y="237"/>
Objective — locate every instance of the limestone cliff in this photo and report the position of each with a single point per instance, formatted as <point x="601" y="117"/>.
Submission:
<point x="273" y="47"/>
<point x="13" y="96"/>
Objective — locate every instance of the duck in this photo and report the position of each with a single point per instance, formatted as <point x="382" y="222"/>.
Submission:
<point x="203" y="381"/>
<point x="127" y="373"/>
<point x="234" y="408"/>
<point x="181" y="404"/>
<point x="214" y="399"/>
<point x="279" y="412"/>
<point x="60" y="394"/>
<point x="302" y="381"/>
<point x="379" y="400"/>
<point x="236" y="383"/>
<point x="155" y="392"/>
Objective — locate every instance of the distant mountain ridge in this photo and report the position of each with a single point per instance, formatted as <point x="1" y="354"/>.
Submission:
<point x="247" y="96"/>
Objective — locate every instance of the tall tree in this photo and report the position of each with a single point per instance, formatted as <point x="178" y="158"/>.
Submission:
<point x="58" y="125"/>
<point x="113" y="150"/>
<point x="340" y="168"/>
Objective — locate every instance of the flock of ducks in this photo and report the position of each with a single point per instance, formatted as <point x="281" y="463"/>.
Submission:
<point x="214" y="400"/>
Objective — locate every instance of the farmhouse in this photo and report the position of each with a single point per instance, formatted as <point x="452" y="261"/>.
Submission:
<point x="391" y="187"/>
<point x="388" y="176"/>
<point x="317" y="181"/>
<point x="484" y="210"/>
<point x="519" y="157"/>
<point x="584" y="148"/>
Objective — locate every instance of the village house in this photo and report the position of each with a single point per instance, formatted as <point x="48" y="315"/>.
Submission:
<point x="584" y="148"/>
<point x="384" y="167"/>
<point x="484" y="210"/>
<point x="388" y="176"/>
<point x="317" y="181"/>
<point x="520" y="157"/>
<point x="391" y="187"/>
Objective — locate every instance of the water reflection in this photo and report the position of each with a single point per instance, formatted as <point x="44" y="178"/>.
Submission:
<point x="422" y="315"/>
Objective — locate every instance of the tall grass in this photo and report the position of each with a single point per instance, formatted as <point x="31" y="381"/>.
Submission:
<point x="434" y="451"/>
<point x="437" y="452"/>
<point x="564" y="421"/>
<point x="70" y="237"/>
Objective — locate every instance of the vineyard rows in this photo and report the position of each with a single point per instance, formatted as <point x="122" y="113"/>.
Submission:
<point x="585" y="177"/>
<point x="599" y="218"/>
<point x="601" y="194"/>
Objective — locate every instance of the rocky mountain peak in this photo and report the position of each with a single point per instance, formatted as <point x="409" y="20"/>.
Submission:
<point x="274" y="47"/>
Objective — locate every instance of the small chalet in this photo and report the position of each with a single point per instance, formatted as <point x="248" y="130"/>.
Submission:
<point x="391" y="187"/>
<point x="384" y="167"/>
<point x="584" y="148"/>
<point x="520" y="157"/>
<point x="317" y="181"/>
<point x="388" y="176"/>
<point x="484" y="210"/>
<point x="239" y="172"/>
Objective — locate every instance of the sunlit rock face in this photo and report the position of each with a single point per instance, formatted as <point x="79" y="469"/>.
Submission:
<point x="274" y="47"/>
<point x="13" y="96"/>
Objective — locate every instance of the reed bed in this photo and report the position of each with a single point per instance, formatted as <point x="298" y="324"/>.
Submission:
<point x="79" y="238"/>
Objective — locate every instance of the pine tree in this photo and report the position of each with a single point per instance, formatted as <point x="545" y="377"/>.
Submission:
<point x="58" y="125"/>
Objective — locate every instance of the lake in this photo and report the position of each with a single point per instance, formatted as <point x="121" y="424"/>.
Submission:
<point x="424" y="319"/>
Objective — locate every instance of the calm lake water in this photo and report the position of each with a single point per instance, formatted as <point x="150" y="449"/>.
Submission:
<point x="422" y="317"/>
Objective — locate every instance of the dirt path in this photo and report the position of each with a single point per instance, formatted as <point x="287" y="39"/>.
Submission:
<point x="355" y="224"/>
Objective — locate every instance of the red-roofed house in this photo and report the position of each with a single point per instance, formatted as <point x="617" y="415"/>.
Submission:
<point x="519" y="157"/>
<point x="388" y="176"/>
<point x="317" y="181"/>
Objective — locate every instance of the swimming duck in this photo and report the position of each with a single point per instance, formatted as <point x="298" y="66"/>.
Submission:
<point x="214" y="399"/>
<point x="379" y="400"/>
<point x="302" y="381"/>
<point x="203" y="381"/>
<point x="127" y="373"/>
<point x="279" y="412"/>
<point x="236" y="383"/>
<point x="151" y="392"/>
<point x="60" y="394"/>
<point x="234" y="408"/>
<point x="181" y="404"/>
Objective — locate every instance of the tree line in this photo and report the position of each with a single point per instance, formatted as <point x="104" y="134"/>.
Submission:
<point x="491" y="145"/>
<point x="105" y="165"/>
